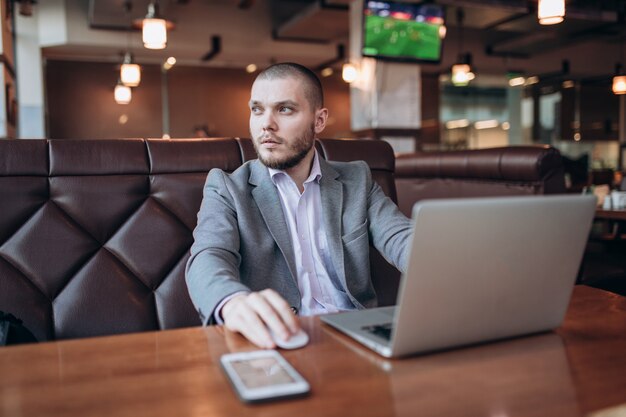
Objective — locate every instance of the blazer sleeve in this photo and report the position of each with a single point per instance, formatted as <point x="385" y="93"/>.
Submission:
<point x="390" y="230"/>
<point x="212" y="271"/>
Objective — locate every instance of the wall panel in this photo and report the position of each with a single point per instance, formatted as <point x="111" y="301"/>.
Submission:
<point x="80" y="102"/>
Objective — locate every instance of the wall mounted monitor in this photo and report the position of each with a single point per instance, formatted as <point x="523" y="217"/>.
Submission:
<point x="399" y="31"/>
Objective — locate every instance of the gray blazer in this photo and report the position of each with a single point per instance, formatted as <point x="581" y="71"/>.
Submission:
<point x="242" y="241"/>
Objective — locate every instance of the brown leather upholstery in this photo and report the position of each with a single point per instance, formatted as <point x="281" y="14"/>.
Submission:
<point x="478" y="173"/>
<point x="94" y="234"/>
<point x="378" y="155"/>
<point x="247" y="149"/>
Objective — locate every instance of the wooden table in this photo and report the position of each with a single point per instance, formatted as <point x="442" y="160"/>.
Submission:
<point x="578" y="369"/>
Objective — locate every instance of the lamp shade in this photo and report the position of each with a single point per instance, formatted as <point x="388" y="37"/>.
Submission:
<point x="130" y="74"/>
<point x="551" y="12"/>
<point x="123" y="94"/>
<point x="619" y="84"/>
<point x="154" y="33"/>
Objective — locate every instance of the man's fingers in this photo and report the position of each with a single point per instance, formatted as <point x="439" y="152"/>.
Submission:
<point x="245" y="320"/>
<point x="254" y="313"/>
<point x="282" y="308"/>
<point x="269" y="315"/>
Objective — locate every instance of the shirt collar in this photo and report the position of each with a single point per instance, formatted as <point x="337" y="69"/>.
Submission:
<point x="314" y="175"/>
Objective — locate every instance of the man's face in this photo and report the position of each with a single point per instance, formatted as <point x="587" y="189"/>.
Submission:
<point x="282" y="123"/>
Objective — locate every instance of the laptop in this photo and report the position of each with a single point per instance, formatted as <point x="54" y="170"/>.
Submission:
<point x="479" y="269"/>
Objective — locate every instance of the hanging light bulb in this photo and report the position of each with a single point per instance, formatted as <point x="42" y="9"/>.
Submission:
<point x="327" y="72"/>
<point x="169" y="63"/>
<point x="154" y="29"/>
<point x="461" y="75"/>
<point x="130" y="74"/>
<point x="619" y="84"/>
<point x="551" y="12"/>
<point x="122" y="93"/>
<point x="462" y="71"/>
<point x="349" y="72"/>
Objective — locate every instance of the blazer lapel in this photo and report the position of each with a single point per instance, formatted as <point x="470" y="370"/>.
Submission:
<point x="331" y="191"/>
<point x="267" y="199"/>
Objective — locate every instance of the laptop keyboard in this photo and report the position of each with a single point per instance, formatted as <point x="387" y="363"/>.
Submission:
<point x="380" y="330"/>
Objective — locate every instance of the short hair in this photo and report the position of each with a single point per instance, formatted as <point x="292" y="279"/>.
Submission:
<point x="312" y="85"/>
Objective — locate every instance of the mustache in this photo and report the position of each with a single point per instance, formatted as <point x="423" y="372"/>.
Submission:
<point x="269" y="138"/>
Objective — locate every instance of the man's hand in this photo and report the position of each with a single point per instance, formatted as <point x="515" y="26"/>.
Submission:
<point x="253" y="313"/>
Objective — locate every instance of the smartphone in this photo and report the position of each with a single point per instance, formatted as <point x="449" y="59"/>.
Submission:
<point x="262" y="375"/>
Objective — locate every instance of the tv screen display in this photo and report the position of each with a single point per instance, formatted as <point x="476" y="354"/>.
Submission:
<point x="402" y="31"/>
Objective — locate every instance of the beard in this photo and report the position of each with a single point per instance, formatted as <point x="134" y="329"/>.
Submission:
<point x="297" y="150"/>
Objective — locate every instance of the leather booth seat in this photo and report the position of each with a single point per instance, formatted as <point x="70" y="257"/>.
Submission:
<point x="506" y="171"/>
<point x="95" y="234"/>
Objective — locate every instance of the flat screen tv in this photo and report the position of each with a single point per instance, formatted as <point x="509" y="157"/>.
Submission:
<point x="402" y="31"/>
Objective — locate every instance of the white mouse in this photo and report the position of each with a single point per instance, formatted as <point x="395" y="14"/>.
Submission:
<point x="296" y="341"/>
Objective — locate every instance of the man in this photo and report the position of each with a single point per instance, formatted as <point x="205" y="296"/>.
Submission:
<point x="289" y="232"/>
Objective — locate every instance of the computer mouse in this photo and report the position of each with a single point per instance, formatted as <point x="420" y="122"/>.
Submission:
<point x="296" y="341"/>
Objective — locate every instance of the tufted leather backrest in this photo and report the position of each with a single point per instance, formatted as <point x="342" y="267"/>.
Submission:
<point x="378" y="155"/>
<point x="94" y="234"/>
<point x="514" y="170"/>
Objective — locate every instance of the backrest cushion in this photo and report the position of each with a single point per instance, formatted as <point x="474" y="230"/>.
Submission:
<point x="505" y="171"/>
<point x="98" y="232"/>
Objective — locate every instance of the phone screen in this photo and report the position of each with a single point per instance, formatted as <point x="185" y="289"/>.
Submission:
<point x="261" y="372"/>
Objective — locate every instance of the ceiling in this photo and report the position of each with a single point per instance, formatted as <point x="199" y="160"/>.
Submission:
<point x="500" y="33"/>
